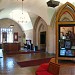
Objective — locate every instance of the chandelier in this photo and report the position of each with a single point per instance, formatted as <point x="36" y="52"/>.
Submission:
<point x="22" y="17"/>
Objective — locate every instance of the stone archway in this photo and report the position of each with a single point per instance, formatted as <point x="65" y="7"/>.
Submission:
<point x="39" y="27"/>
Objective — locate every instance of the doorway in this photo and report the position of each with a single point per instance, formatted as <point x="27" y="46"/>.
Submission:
<point x="43" y="41"/>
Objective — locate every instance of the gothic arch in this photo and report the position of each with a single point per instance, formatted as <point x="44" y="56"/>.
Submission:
<point x="34" y="30"/>
<point x="39" y="24"/>
<point x="67" y="7"/>
<point x="69" y="11"/>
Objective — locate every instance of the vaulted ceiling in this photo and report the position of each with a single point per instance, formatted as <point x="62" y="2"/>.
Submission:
<point x="34" y="8"/>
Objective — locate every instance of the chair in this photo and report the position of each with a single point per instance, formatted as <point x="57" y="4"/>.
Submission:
<point x="50" y="68"/>
<point x="53" y="68"/>
<point x="52" y="59"/>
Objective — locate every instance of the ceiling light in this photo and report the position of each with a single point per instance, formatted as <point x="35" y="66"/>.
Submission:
<point x="22" y="18"/>
<point x="52" y="3"/>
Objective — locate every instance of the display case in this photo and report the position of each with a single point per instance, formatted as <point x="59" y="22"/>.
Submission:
<point x="66" y="40"/>
<point x="65" y="33"/>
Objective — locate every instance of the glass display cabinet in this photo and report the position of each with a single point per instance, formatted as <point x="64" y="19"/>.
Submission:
<point x="66" y="40"/>
<point x="65" y="33"/>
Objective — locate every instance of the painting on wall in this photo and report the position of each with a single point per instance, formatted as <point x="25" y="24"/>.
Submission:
<point x="15" y="36"/>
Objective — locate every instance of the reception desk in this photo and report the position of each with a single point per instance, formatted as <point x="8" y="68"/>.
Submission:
<point x="11" y="47"/>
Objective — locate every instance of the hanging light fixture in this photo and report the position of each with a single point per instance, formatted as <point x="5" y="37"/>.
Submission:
<point x="52" y="3"/>
<point x="22" y="18"/>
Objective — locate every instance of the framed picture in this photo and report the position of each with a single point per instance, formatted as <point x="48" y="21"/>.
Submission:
<point x="15" y="36"/>
<point x="68" y="44"/>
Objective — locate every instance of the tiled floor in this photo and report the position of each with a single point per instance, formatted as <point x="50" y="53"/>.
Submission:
<point x="8" y="65"/>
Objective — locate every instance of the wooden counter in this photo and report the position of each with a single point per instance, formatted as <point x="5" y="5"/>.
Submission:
<point x="11" y="47"/>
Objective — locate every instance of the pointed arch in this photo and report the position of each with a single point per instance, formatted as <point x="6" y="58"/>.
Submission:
<point x="66" y="7"/>
<point x="39" y="25"/>
<point x="34" y="30"/>
<point x="67" y="10"/>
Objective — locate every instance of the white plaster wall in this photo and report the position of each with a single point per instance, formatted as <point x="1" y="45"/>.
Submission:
<point x="51" y="40"/>
<point x="52" y="35"/>
<point x="29" y="35"/>
<point x="51" y="12"/>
